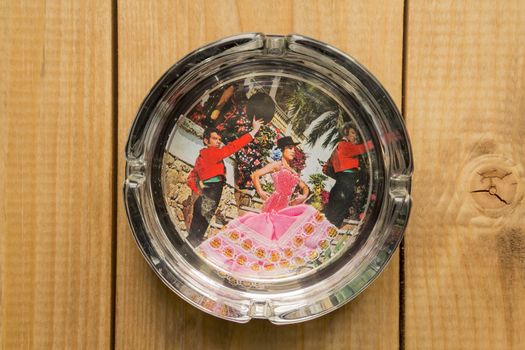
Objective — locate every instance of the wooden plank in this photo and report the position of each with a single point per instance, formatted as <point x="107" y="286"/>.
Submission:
<point x="152" y="36"/>
<point x="56" y="174"/>
<point x="465" y="106"/>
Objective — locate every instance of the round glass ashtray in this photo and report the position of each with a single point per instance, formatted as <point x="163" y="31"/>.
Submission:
<point x="268" y="177"/>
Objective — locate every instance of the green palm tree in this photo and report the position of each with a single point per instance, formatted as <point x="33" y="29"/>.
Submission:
<point x="305" y="105"/>
<point x="328" y="125"/>
<point x="308" y="106"/>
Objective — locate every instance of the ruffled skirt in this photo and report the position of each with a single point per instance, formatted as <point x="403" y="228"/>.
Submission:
<point x="271" y="243"/>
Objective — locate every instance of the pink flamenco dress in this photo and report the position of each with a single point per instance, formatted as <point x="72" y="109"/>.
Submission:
<point x="280" y="240"/>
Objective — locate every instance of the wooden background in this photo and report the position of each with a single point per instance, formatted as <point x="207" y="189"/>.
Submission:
<point x="73" y="74"/>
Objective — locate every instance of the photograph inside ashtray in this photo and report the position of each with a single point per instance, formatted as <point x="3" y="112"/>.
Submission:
<point x="268" y="176"/>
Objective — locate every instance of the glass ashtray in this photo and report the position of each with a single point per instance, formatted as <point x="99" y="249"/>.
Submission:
<point x="268" y="177"/>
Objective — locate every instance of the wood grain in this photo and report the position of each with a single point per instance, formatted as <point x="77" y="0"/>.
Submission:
<point x="56" y="174"/>
<point x="154" y="35"/>
<point x="465" y="106"/>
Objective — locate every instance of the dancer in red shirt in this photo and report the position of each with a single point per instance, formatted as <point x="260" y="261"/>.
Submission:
<point x="208" y="177"/>
<point x="347" y="171"/>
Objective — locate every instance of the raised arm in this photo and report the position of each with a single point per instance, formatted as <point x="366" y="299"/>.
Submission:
<point x="232" y="147"/>
<point x="351" y="150"/>
<point x="217" y="154"/>
<point x="256" y="177"/>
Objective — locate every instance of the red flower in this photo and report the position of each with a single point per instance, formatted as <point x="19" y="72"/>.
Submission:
<point x="325" y="195"/>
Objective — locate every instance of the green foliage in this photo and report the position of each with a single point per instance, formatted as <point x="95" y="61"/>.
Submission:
<point x="328" y="124"/>
<point x="318" y="196"/>
<point x="317" y="180"/>
<point x="308" y="106"/>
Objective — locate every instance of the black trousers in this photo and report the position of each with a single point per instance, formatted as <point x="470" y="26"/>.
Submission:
<point x="203" y="211"/>
<point x="341" y="197"/>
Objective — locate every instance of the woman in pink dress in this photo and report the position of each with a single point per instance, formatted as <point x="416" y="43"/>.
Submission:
<point x="285" y="237"/>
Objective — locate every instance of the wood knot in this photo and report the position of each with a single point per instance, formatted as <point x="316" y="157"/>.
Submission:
<point x="494" y="186"/>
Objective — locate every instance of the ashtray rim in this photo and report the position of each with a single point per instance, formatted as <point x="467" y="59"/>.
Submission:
<point x="136" y="174"/>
